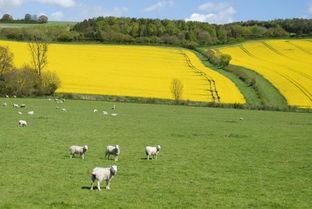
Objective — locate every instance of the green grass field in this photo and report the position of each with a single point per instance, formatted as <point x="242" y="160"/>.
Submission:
<point x="21" y="25"/>
<point x="209" y="158"/>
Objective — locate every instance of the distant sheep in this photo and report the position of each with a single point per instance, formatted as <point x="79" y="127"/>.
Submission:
<point x="64" y="110"/>
<point x="114" y="114"/>
<point x="112" y="150"/>
<point x="30" y="112"/>
<point x="7" y="96"/>
<point x="78" y="150"/>
<point x="105" y="113"/>
<point x="95" y="110"/>
<point x="152" y="151"/>
<point x="100" y="174"/>
<point x="15" y="105"/>
<point x="5" y="104"/>
<point x="20" y="113"/>
<point x="22" y="123"/>
<point x="114" y="107"/>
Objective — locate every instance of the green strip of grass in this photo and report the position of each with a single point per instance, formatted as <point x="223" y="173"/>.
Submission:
<point x="248" y="92"/>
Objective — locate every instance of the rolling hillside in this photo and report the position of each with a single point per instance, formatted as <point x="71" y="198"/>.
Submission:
<point x="285" y="63"/>
<point x="138" y="71"/>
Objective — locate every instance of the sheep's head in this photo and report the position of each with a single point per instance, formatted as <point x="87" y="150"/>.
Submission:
<point x="158" y="148"/>
<point x="86" y="147"/>
<point x="113" y="169"/>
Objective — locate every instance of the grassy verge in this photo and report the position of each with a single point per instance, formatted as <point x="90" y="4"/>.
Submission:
<point x="209" y="158"/>
<point x="248" y="92"/>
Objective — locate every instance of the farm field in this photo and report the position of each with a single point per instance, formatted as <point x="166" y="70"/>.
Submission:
<point x="139" y="71"/>
<point x="285" y="63"/>
<point x="21" y="25"/>
<point x="209" y="158"/>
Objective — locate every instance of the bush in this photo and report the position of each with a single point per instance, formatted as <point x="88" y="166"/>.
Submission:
<point x="49" y="83"/>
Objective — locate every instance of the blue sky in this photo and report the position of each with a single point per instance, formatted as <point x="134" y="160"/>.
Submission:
<point x="212" y="11"/>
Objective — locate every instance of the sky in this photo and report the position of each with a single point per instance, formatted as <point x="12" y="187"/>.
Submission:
<point x="211" y="11"/>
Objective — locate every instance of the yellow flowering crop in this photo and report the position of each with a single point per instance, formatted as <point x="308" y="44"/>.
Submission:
<point x="140" y="71"/>
<point x="287" y="64"/>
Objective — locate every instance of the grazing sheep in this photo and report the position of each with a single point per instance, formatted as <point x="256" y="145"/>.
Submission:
<point x="50" y="99"/>
<point x="7" y="96"/>
<point x="22" y="106"/>
<point x="114" y="114"/>
<point x="112" y="150"/>
<point x="14" y="96"/>
<point x="5" y="104"/>
<point x="78" y="150"/>
<point x="95" y="110"/>
<point x="20" y="113"/>
<point x="22" y="123"/>
<point x="105" y="113"/>
<point x="241" y="118"/>
<point x="152" y="151"/>
<point x="15" y="105"/>
<point x="30" y="112"/>
<point x="100" y="174"/>
<point x="64" y="110"/>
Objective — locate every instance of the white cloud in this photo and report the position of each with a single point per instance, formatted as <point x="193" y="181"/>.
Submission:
<point x="159" y="5"/>
<point x="10" y="4"/>
<point x="310" y="7"/>
<point x="60" y="3"/>
<point x="57" y="15"/>
<point x="215" y="13"/>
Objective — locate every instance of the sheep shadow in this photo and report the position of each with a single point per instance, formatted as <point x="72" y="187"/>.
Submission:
<point x="88" y="187"/>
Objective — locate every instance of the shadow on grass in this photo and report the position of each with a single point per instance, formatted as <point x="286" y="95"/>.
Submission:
<point x="88" y="187"/>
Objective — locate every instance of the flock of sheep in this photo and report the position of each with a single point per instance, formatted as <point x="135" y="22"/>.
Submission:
<point x="98" y="174"/>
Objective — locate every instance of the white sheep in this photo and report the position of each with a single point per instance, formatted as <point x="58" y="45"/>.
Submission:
<point x="95" y="110"/>
<point x="99" y="174"/>
<point x="31" y="112"/>
<point x="112" y="150"/>
<point x="15" y="105"/>
<point x="152" y="151"/>
<point x="7" y="96"/>
<point x="14" y="96"/>
<point x="20" y="113"/>
<point x="5" y="104"/>
<point x="114" y="114"/>
<point x="78" y="150"/>
<point x="114" y="107"/>
<point x="22" y="123"/>
<point x="105" y="113"/>
<point x="64" y="110"/>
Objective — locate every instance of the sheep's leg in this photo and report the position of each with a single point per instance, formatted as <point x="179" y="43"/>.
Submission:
<point x="98" y="185"/>
<point x="82" y="156"/>
<point x="116" y="158"/>
<point x="156" y="157"/>
<point x="107" y="184"/>
<point x="147" y="157"/>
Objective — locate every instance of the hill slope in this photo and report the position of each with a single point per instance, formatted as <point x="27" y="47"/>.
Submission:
<point x="285" y="63"/>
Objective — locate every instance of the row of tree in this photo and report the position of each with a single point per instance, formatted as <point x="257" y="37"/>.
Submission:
<point x="7" y="18"/>
<point x="156" y="31"/>
<point x="28" y="80"/>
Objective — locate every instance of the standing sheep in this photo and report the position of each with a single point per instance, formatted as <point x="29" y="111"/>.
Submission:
<point x="78" y="150"/>
<point x="152" y="151"/>
<point x="112" y="150"/>
<point x="100" y="174"/>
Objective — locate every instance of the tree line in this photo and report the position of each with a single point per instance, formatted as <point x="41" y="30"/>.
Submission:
<point x="30" y="80"/>
<point x="7" y="18"/>
<point x="163" y="32"/>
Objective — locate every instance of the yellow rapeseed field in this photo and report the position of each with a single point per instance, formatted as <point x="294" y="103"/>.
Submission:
<point x="287" y="64"/>
<point x="139" y="71"/>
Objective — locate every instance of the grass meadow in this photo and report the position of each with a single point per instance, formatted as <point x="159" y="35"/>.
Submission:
<point x="209" y="158"/>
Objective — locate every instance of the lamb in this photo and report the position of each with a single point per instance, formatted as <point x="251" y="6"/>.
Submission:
<point x="78" y="150"/>
<point x="99" y="174"/>
<point x="22" y="123"/>
<point x="152" y="151"/>
<point x="64" y="110"/>
<point x="112" y="150"/>
<point x="114" y="114"/>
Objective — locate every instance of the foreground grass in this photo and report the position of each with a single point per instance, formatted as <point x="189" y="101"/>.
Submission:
<point x="210" y="159"/>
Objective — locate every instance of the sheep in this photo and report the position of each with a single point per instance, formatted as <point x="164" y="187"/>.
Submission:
<point x="7" y="96"/>
<point x="105" y="113"/>
<point x="5" y="104"/>
<point x="152" y="151"/>
<point x="20" y="113"/>
<point x="64" y="110"/>
<point x="31" y="112"/>
<point x="114" y="114"/>
<point x="95" y="110"/>
<point x="15" y="105"/>
<point x="78" y="150"/>
<point x="99" y="174"/>
<point x="241" y="118"/>
<point x="14" y="96"/>
<point x="22" y="123"/>
<point x="112" y="150"/>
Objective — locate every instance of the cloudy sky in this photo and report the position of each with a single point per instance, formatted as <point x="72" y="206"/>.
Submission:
<point x="212" y="11"/>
